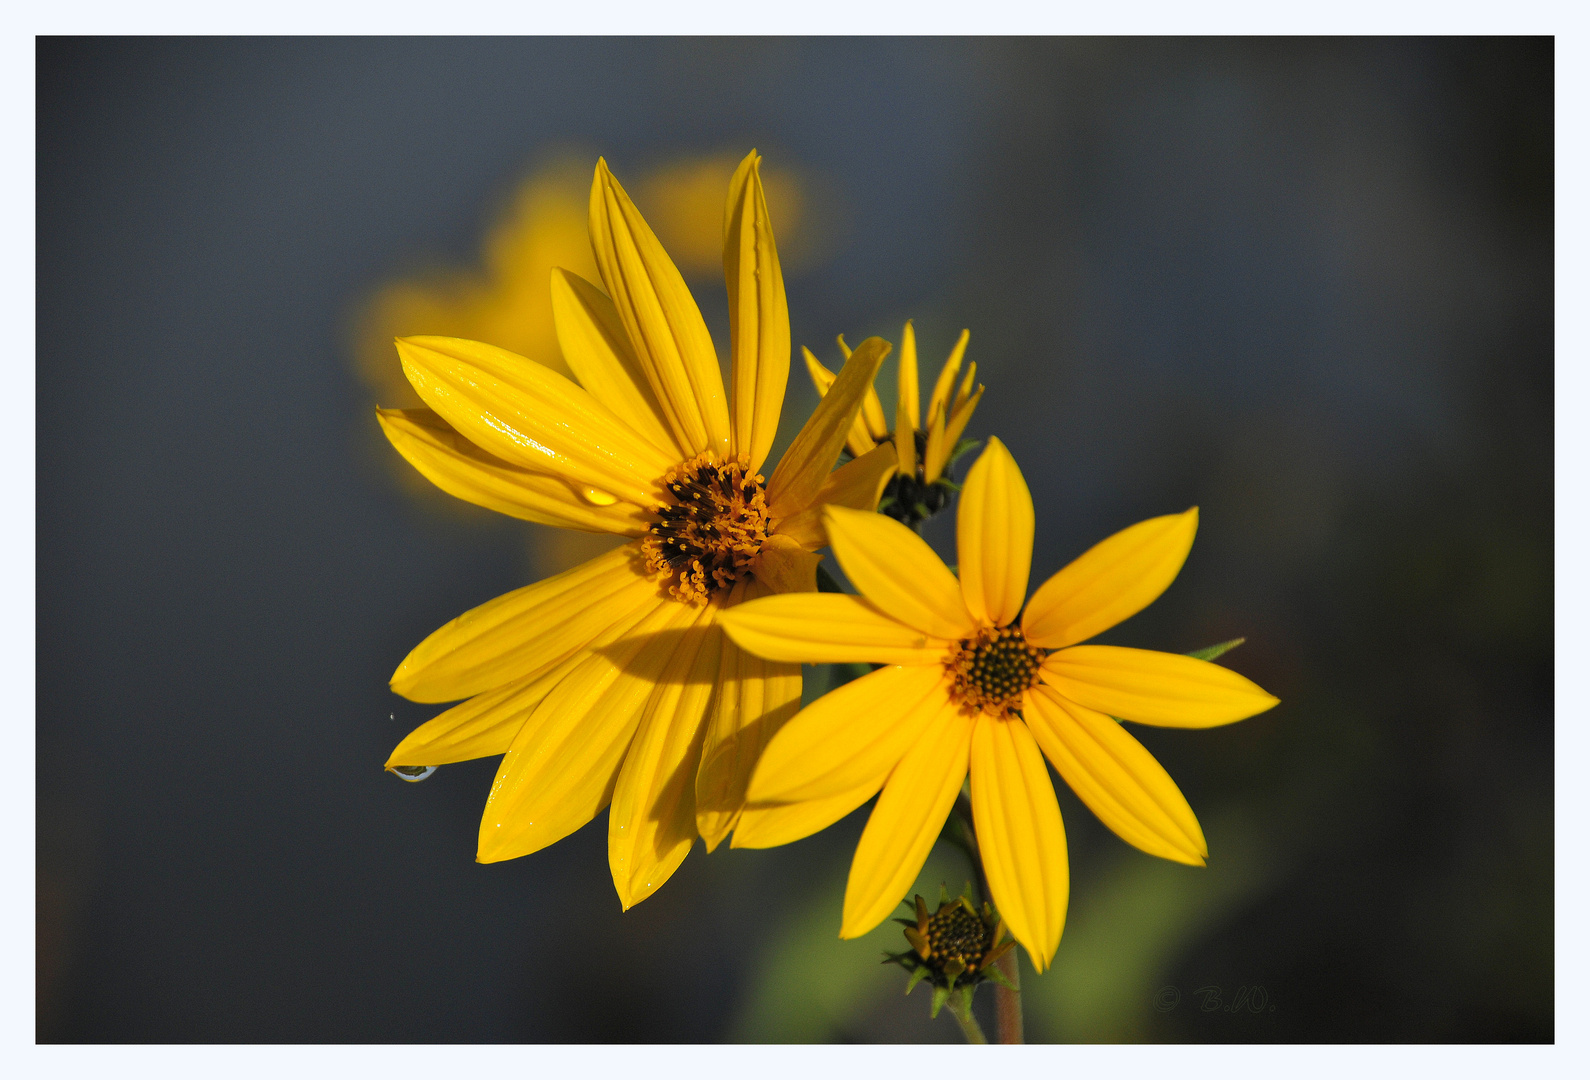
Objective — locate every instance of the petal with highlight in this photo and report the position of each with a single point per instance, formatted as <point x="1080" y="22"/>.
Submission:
<point x="758" y="316"/>
<point x="664" y="325"/>
<point x="850" y="736"/>
<point x="896" y="570"/>
<point x="828" y="628"/>
<point x="529" y="415"/>
<point x="465" y="471"/>
<point x="805" y="466"/>
<point x="1154" y="687"/>
<point x="1110" y="582"/>
<point x="1116" y="777"/>
<point x="527" y="631"/>
<point x="1019" y="833"/>
<point x="908" y="818"/>
<point x="993" y="536"/>
<point x="596" y="348"/>
<point x="651" y="823"/>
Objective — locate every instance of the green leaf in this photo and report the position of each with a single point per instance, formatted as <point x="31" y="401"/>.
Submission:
<point x="1214" y="651"/>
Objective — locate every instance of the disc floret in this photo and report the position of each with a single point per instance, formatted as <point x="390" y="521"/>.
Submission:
<point x="993" y="670"/>
<point x="707" y="536"/>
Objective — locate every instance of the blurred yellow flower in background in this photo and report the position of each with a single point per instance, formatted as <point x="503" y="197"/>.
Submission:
<point x="979" y="679"/>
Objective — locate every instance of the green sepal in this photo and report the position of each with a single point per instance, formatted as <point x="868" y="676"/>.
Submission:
<point x="885" y="502"/>
<point x="944" y="894"/>
<point x="966" y="993"/>
<point x="947" y="484"/>
<point x="1214" y="651"/>
<point x="962" y="448"/>
<point x="941" y="994"/>
<point x="994" y="975"/>
<point x="916" y="976"/>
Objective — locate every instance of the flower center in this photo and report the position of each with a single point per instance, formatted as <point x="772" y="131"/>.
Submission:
<point x="993" y="669"/>
<point x="705" y="539"/>
<point x="954" y="932"/>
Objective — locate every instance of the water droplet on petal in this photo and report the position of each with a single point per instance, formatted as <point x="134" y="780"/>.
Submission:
<point x="597" y="497"/>
<point x="413" y="773"/>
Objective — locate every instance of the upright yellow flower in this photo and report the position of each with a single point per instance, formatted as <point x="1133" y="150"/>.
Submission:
<point x="611" y="683"/>
<point x="967" y="686"/>
<point x="923" y="453"/>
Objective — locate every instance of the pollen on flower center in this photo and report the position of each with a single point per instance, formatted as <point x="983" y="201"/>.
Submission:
<point x="706" y="538"/>
<point x="993" y="669"/>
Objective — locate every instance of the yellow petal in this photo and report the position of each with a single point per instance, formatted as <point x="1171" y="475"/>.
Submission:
<point x="765" y="825"/>
<point x="465" y="471"/>
<point x="1110" y="582"/>
<point x="857" y="484"/>
<point x="784" y="566"/>
<point x="895" y="569"/>
<point x="1150" y="687"/>
<point x="939" y="403"/>
<point x="755" y="699"/>
<point x="662" y="320"/>
<point x="906" y="406"/>
<point x="810" y="458"/>
<point x="562" y="766"/>
<point x="993" y="533"/>
<point x="858" y="441"/>
<point x="758" y="316"/>
<point x="872" y="408"/>
<point x="596" y="348"/>
<point x="526" y="631"/>
<point x="652" y="821"/>
<point x="909" y="815"/>
<point x="1020" y="836"/>
<point x="910" y="389"/>
<point x="828" y="628"/>
<point x="849" y="737"/>
<point x="940" y="442"/>
<point x="483" y="726"/>
<point x="960" y="416"/>
<point x="529" y="415"/>
<point x="1116" y="777"/>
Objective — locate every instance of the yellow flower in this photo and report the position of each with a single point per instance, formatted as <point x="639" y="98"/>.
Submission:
<point x="968" y="687"/>
<point x="923" y="454"/>
<point x="611" y="683"/>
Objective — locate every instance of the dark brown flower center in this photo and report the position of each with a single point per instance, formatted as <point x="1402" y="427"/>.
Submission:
<point x="705" y="538"/>
<point x="993" y="670"/>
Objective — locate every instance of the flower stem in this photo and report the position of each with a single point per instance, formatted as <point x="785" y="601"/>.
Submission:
<point x="963" y="1016"/>
<point x="1007" y="1003"/>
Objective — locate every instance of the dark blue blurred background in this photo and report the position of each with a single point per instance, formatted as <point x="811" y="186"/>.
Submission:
<point x="1304" y="284"/>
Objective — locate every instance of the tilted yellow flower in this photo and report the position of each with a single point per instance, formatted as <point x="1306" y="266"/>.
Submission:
<point x="967" y="687"/>
<point x="611" y="683"/>
<point x="922" y="452"/>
